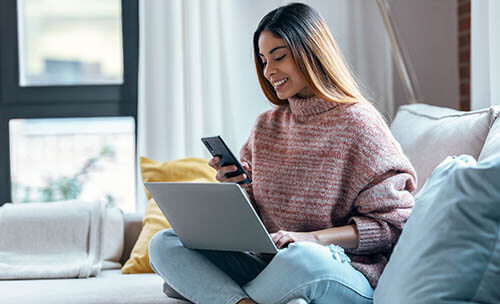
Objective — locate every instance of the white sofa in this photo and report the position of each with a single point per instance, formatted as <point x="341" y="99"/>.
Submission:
<point x="419" y="134"/>
<point x="110" y="286"/>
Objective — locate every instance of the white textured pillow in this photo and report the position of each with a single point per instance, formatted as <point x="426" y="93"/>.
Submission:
<point x="448" y="251"/>
<point x="112" y="238"/>
<point x="428" y="134"/>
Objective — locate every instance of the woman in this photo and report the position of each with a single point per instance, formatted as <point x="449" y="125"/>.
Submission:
<point x="330" y="183"/>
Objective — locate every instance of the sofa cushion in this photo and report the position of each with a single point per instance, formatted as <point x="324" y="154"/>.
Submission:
<point x="186" y="169"/>
<point x="449" y="250"/>
<point x="109" y="287"/>
<point x="428" y="134"/>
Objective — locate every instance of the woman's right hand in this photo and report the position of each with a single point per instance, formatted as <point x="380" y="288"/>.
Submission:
<point x="221" y="171"/>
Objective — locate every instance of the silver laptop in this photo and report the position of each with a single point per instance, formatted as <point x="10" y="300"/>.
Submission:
<point x="214" y="216"/>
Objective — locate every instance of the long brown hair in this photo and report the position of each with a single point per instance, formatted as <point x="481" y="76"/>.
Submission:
<point x="314" y="51"/>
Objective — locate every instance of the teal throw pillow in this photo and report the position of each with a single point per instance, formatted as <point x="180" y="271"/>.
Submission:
<point x="449" y="250"/>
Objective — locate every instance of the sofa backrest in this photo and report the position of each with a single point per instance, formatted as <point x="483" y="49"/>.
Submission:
<point x="132" y="229"/>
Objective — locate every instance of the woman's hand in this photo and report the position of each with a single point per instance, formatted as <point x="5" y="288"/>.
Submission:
<point x="282" y="238"/>
<point x="343" y="236"/>
<point x="221" y="171"/>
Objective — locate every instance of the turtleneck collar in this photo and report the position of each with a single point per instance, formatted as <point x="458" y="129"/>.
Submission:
<point x="303" y="107"/>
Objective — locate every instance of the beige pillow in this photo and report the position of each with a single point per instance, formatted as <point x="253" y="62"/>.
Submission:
<point x="428" y="134"/>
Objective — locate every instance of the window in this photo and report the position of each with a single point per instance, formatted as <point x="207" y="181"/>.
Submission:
<point x="90" y="159"/>
<point x="68" y="100"/>
<point x="70" y="42"/>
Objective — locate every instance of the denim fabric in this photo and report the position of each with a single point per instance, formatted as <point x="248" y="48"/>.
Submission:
<point x="319" y="274"/>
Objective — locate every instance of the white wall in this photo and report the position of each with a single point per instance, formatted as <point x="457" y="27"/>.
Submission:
<point x="429" y="30"/>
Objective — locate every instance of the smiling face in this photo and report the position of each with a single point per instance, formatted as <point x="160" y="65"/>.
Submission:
<point x="279" y="67"/>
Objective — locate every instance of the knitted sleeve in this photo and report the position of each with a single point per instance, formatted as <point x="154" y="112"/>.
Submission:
<point x="383" y="179"/>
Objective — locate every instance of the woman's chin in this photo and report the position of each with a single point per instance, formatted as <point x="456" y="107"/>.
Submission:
<point x="282" y="96"/>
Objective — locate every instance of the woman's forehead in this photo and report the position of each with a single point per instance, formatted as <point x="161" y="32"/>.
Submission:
<point x="268" y="43"/>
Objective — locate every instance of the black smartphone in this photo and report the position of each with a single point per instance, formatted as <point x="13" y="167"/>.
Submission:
<point x="217" y="147"/>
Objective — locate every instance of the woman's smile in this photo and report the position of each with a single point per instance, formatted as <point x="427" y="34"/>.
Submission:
<point x="278" y="85"/>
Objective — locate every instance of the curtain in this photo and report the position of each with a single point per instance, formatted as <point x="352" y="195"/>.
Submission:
<point x="485" y="50"/>
<point x="197" y="76"/>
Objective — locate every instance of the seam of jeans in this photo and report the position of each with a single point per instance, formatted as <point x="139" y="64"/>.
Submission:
<point x="235" y="299"/>
<point x="335" y="280"/>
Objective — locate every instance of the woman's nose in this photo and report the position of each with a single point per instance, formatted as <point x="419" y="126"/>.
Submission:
<point x="269" y="71"/>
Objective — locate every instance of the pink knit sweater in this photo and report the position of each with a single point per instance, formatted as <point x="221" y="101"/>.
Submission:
<point x="317" y="164"/>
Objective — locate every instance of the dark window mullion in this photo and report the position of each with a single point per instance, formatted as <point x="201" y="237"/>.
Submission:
<point x="5" y="188"/>
<point x="61" y="111"/>
<point x="65" y="94"/>
<point x="130" y="29"/>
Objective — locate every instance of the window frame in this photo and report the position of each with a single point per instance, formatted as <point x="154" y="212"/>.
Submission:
<point x="59" y="101"/>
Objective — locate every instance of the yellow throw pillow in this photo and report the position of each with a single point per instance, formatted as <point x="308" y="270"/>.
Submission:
<point x="182" y="170"/>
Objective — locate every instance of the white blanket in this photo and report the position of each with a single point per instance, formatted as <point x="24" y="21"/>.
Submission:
<point x="51" y="240"/>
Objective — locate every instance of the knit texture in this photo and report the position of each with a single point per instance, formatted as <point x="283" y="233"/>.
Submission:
<point x="317" y="165"/>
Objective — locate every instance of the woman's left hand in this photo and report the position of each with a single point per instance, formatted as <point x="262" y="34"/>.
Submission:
<point x="282" y="238"/>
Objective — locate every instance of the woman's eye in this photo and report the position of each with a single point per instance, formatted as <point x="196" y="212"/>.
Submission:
<point x="280" y="57"/>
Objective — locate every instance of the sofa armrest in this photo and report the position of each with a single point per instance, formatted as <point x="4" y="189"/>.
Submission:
<point x="132" y="229"/>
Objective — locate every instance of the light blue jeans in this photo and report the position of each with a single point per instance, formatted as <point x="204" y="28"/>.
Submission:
<point x="315" y="273"/>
